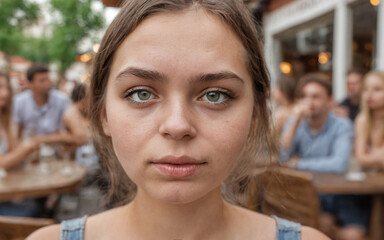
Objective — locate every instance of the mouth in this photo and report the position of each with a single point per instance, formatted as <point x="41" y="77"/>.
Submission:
<point x="178" y="167"/>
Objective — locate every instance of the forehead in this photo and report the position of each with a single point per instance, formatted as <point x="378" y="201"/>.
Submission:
<point x="374" y="80"/>
<point x="314" y="88"/>
<point x="354" y="78"/>
<point x="41" y="75"/>
<point x="192" y="40"/>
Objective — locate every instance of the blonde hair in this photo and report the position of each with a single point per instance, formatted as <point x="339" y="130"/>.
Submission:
<point x="233" y="13"/>
<point x="367" y="113"/>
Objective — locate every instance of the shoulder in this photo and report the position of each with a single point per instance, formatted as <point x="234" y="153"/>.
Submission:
<point x="47" y="233"/>
<point x="249" y="224"/>
<point x="58" y="96"/>
<point x="265" y="227"/>
<point x="361" y="119"/>
<point x="23" y="96"/>
<point x="70" y="113"/>
<point x="341" y="122"/>
<point x="95" y="227"/>
<point x="312" y="234"/>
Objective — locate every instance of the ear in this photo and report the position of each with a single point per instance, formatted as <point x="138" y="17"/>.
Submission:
<point x="104" y="122"/>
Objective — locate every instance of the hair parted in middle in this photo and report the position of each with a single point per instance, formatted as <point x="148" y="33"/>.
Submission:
<point x="259" y="146"/>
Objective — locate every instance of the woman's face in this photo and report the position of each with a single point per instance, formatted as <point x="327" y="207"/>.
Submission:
<point x="179" y="105"/>
<point x="373" y="92"/>
<point x="4" y="92"/>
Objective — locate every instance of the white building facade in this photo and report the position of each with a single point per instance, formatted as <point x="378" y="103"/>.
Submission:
<point x="329" y="36"/>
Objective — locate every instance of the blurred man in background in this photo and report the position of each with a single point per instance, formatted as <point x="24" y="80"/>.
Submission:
<point x="315" y="139"/>
<point x="39" y="110"/>
<point x="350" y="106"/>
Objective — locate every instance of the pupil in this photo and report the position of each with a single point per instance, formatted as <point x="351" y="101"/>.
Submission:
<point x="213" y="96"/>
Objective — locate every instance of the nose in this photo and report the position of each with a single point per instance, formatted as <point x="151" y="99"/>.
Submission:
<point x="177" y="122"/>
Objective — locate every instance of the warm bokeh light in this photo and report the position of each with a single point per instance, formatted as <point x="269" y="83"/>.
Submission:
<point x="96" y="47"/>
<point x="324" y="57"/>
<point x="85" y="57"/>
<point x="285" y="67"/>
<point x="85" y="77"/>
<point x="375" y="2"/>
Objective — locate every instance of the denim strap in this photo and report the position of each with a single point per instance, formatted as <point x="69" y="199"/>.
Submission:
<point x="287" y="230"/>
<point x="72" y="229"/>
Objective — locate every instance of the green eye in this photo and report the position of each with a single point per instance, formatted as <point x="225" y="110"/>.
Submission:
<point x="214" y="96"/>
<point x="144" y="95"/>
<point x="139" y="95"/>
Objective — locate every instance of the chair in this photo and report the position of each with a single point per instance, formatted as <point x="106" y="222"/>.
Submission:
<point x="17" y="228"/>
<point x="285" y="193"/>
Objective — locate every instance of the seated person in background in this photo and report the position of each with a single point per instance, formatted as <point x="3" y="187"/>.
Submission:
<point x="315" y="139"/>
<point x="75" y="119"/>
<point x="350" y="106"/>
<point x="370" y="123"/>
<point x="284" y="97"/>
<point x="11" y="153"/>
<point x="76" y="122"/>
<point x="39" y="111"/>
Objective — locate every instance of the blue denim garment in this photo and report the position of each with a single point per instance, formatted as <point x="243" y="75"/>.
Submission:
<point x="287" y="230"/>
<point x="73" y="229"/>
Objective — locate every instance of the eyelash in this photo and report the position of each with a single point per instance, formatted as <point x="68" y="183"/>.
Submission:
<point x="128" y="95"/>
<point x="228" y="95"/>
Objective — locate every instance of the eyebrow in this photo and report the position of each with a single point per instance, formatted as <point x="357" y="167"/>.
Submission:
<point x="140" y="73"/>
<point x="209" y="77"/>
<point x="156" y="76"/>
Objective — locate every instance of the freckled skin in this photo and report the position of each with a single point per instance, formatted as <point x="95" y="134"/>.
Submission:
<point x="178" y="122"/>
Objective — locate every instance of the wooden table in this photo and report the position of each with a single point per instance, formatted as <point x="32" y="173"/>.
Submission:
<point x="31" y="182"/>
<point x="373" y="184"/>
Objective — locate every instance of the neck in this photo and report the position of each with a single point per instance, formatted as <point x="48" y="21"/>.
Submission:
<point x="378" y="114"/>
<point x="316" y="123"/>
<point x="201" y="219"/>
<point x="40" y="99"/>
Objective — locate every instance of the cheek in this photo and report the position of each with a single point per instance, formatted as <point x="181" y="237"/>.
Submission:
<point x="231" y="140"/>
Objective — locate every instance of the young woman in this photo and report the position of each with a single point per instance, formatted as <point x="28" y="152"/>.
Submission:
<point x="178" y="107"/>
<point x="370" y="123"/>
<point x="11" y="154"/>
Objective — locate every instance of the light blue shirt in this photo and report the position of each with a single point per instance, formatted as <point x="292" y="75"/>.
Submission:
<point x="328" y="151"/>
<point x="42" y="120"/>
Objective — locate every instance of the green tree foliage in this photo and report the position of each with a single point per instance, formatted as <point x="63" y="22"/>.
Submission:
<point x="75" y="21"/>
<point x="71" y="22"/>
<point x="15" y="16"/>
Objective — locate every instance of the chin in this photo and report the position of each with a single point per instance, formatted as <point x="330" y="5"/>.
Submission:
<point x="180" y="193"/>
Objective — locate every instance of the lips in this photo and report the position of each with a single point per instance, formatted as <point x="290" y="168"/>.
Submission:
<point x="178" y="167"/>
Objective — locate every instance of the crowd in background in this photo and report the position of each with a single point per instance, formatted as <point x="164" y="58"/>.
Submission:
<point x="317" y="134"/>
<point x="42" y="117"/>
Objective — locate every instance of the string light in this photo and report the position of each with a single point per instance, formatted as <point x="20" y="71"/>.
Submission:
<point x="285" y="67"/>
